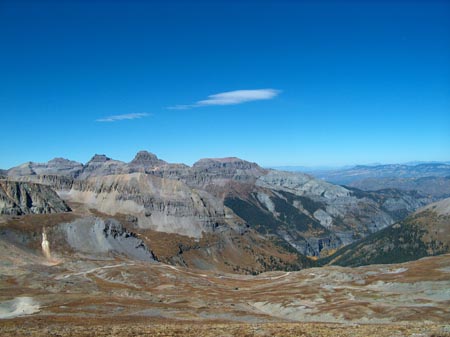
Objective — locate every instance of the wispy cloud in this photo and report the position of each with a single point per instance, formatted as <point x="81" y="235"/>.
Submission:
<point x="232" y="98"/>
<point x="122" y="117"/>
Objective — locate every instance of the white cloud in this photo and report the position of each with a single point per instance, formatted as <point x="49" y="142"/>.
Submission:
<point x="122" y="117"/>
<point x="232" y="98"/>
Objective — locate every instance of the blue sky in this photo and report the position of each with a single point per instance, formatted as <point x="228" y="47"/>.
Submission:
<point x="276" y="82"/>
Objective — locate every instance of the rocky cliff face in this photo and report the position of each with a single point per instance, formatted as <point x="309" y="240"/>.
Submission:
<point x="56" y="182"/>
<point x="158" y="203"/>
<point x="18" y="198"/>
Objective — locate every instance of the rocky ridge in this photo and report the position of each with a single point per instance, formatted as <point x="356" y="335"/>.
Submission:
<point x="56" y="166"/>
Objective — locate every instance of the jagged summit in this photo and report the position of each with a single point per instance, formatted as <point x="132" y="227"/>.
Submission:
<point x="145" y="159"/>
<point x="101" y="165"/>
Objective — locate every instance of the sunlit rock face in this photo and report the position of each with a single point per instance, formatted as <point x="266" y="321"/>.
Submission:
<point x="162" y="204"/>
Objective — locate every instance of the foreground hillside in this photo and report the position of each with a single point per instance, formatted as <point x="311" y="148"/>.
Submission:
<point x="86" y="289"/>
<point x="425" y="233"/>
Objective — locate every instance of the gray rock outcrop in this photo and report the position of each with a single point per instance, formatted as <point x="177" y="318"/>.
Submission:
<point x="18" y="198"/>
<point x="96" y="236"/>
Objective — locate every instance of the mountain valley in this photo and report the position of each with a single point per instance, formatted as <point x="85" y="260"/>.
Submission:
<point x="224" y="244"/>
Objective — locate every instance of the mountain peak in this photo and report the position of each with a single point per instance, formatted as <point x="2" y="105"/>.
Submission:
<point x="146" y="159"/>
<point x="99" y="158"/>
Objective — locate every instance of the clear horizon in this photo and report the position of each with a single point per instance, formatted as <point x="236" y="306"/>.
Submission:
<point x="279" y="83"/>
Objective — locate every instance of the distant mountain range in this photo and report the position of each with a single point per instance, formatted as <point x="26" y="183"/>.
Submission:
<point x="226" y="210"/>
<point x="431" y="179"/>
<point x="349" y="175"/>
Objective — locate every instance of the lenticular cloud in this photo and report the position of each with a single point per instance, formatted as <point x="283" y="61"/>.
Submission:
<point x="232" y="98"/>
<point x="122" y="117"/>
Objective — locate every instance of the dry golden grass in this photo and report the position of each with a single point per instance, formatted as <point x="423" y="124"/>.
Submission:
<point x="209" y="329"/>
